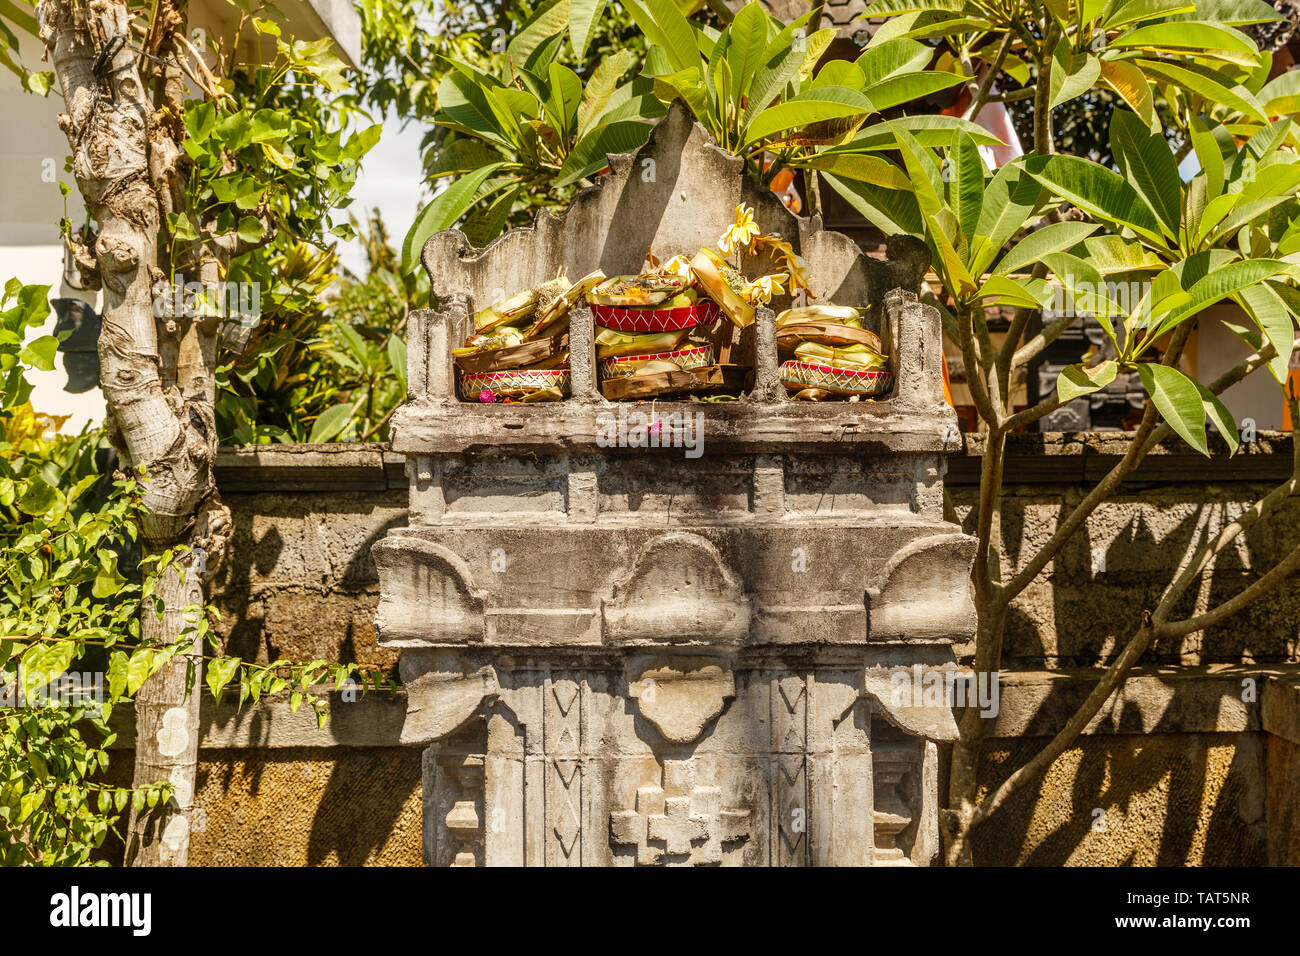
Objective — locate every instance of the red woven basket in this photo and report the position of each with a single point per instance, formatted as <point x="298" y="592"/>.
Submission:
<point x="654" y="320"/>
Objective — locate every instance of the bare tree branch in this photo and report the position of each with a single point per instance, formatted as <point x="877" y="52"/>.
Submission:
<point x="1051" y="332"/>
<point x="975" y="367"/>
<point x="1147" y="436"/>
<point x="1283" y="570"/>
<point x="1032" y="414"/>
<point x="1154" y="627"/>
<point x="980" y="94"/>
<point x="1114" y="676"/>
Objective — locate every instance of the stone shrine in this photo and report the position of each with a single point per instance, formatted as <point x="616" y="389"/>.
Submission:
<point x="632" y="656"/>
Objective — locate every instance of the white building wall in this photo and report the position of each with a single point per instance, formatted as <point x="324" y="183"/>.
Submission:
<point x="33" y="150"/>
<point x="32" y="153"/>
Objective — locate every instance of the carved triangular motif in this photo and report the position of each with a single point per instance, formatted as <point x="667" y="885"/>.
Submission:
<point x="565" y="692"/>
<point x="566" y="770"/>
<point x="791" y="696"/>
<point x="566" y="741"/>
<point x="790" y="836"/>
<point x="567" y="831"/>
<point x="791" y="766"/>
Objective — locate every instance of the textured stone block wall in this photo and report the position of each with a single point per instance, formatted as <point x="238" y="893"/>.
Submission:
<point x="1131" y="800"/>
<point x="304" y="806"/>
<point x="1182" y="770"/>
<point x="299" y="582"/>
<point x="1087" y="605"/>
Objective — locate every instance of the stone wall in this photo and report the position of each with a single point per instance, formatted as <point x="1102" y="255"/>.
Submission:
<point x="309" y="806"/>
<point x="1195" y="763"/>
<point x="300" y="583"/>
<point x="1179" y="769"/>
<point x="1084" y="607"/>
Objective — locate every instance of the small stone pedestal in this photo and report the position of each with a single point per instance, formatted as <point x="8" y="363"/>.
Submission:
<point x="653" y="656"/>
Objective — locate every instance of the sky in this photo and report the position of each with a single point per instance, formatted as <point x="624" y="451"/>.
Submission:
<point x="390" y="179"/>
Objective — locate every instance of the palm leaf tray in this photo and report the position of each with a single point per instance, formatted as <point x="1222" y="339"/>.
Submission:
<point x="552" y="351"/>
<point x="708" y="379"/>
<point x="513" y="383"/>
<point x="624" y="365"/>
<point x="843" y="381"/>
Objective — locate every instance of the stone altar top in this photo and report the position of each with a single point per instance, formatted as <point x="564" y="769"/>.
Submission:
<point x="673" y="196"/>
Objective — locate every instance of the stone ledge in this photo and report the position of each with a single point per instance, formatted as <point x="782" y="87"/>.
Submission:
<point x="1152" y="700"/>
<point x="330" y="467"/>
<point x="1188" y="700"/>
<point x="1047" y="458"/>
<point x="373" y="720"/>
<point x="881" y="427"/>
<point x="1281" y="707"/>
<point x="1085" y="457"/>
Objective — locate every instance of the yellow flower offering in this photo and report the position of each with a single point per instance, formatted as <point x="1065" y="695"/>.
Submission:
<point x="740" y="233"/>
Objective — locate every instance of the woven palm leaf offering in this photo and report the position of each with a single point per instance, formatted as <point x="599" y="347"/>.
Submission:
<point x="657" y="333"/>
<point x="831" y="354"/>
<point x="519" y="349"/>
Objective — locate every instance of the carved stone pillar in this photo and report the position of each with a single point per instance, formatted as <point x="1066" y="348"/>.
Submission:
<point x="633" y="657"/>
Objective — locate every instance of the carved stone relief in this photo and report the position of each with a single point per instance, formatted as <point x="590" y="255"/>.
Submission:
<point x="620" y="657"/>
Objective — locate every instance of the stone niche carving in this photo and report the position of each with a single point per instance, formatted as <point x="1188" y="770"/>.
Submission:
<point x="629" y="656"/>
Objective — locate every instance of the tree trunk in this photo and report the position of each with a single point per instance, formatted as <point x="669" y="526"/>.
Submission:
<point x="167" y="726"/>
<point x="124" y="160"/>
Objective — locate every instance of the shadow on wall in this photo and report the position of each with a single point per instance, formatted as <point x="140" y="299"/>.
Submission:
<point x="240" y="608"/>
<point x="290" y="590"/>
<point x="1084" y="608"/>
<point x="1099" y="592"/>
<point x="301" y="806"/>
<point x="260" y="807"/>
<point x="80" y="350"/>
<point x="1129" y="796"/>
